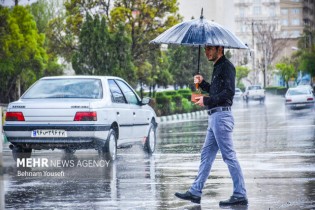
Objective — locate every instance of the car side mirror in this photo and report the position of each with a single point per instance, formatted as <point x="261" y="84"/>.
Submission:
<point x="145" y="101"/>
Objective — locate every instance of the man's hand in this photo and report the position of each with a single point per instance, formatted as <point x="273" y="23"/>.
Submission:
<point x="200" y="101"/>
<point x="198" y="79"/>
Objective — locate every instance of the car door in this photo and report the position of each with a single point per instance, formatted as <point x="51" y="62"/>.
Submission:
<point x="140" y="121"/>
<point x="124" y="114"/>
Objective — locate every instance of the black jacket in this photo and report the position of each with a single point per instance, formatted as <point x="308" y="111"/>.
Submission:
<point x="222" y="87"/>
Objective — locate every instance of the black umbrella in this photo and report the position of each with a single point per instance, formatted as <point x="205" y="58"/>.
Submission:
<point x="199" y="32"/>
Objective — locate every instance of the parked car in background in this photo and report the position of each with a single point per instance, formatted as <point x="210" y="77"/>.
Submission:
<point x="254" y="92"/>
<point x="79" y="112"/>
<point x="238" y="94"/>
<point x="299" y="97"/>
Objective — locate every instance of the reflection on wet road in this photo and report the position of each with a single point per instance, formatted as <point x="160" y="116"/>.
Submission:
<point x="275" y="147"/>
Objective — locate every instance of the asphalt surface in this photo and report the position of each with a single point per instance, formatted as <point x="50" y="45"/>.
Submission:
<point x="275" y="148"/>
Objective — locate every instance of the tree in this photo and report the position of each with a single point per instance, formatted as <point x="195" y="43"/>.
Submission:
<point x="307" y="62"/>
<point x="286" y="70"/>
<point x="183" y="64"/>
<point x="160" y="73"/>
<point x="241" y="72"/>
<point x="144" y="20"/>
<point x="102" y="52"/>
<point x="23" y="56"/>
<point x="64" y="30"/>
<point x="270" y="44"/>
<point x="306" y="52"/>
<point x="43" y="11"/>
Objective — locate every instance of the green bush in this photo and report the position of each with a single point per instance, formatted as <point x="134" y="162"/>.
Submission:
<point x="172" y="102"/>
<point x="186" y="105"/>
<point x="170" y="92"/>
<point x="164" y="105"/>
<point x="184" y="91"/>
<point x="187" y="96"/>
<point x="177" y="99"/>
<point x="277" y="90"/>
<point x="159" y="94"/>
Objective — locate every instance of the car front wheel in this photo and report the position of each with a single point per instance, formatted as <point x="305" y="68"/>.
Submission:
<point x="150" y="142"/>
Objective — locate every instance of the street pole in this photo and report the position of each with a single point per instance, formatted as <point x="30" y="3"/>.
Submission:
<point x="253" y="55"/>
<point x="1" y="140"/>
<point x="1" y="165"/>
<point x="265" y="74"/>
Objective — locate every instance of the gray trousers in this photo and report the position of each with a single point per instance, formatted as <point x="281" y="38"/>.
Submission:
<point x="219" y="136"/>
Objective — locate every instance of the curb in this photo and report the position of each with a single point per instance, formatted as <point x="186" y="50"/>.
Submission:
<point x="184" y="116"/>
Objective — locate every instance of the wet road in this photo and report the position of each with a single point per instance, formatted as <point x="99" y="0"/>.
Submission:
<point x="275" y="148"/>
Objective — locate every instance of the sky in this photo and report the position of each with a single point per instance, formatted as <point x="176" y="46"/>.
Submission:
<point x="11" y="2"/>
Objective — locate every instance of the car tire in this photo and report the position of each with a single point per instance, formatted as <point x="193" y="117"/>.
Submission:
<point x="150" y="143"/>
<point x="246" y="99"/>
<point x="21" y="153"/>
<point x="262" y="100"/>
<point x="109" y="150"/>
<point x="69" y="151"/>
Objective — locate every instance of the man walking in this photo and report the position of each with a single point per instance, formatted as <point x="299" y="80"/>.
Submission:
<point x="220" y="127"/>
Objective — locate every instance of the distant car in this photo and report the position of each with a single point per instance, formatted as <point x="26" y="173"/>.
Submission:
<point x="79" y="112"/>
<point x="254" y="92"/>
<point x="299" y="98"/>
<point x="238" y="94"/>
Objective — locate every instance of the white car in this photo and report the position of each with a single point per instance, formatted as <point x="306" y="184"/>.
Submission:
<point x="254" y="92"/>
<point x="299" y="97"/>
<point x="238" y="94"/>
<point x="79" y="112"/>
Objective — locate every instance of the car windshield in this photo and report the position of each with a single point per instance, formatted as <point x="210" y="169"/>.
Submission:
<point x="254" y="88"/>
<point x="65" y="88"/>
<point x="301" y="91"/>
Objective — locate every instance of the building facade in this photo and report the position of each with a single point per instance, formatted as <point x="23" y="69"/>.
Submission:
<point x="271" y="28"/>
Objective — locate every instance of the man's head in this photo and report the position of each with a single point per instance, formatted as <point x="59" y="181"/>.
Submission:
<point x="213" y="53"/>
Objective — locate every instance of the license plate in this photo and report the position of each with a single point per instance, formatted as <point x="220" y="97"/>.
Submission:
<point x="49" y="133"/>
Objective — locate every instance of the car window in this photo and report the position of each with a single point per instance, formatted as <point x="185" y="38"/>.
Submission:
<point x="116" y="94"/>
<point x="301" y="91"/>
<point x="66" y="88"/>
<point x="254" y="88"/>
<point x="129" y="94"/>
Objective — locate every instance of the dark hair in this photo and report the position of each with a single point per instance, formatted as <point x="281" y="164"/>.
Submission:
<point x="217" y="47"/>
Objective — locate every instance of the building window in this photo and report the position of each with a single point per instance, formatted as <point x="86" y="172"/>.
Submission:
<point x="272" y="12"/>
<point x="284" y="34"/>
<point x="284" y="22"/>
<point x="295" y="11"/>
<point x="242" y="12"/>
<point x="284" y="11"/>
<point x="296" y="34"/>
<point x="296" y="22"/>
<point x="295" y="0"/>
<point x="243" y="28"/>
<point x="257" y="10"/>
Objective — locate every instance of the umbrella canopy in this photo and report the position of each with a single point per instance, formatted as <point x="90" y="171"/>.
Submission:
<point x="199" y="32"/>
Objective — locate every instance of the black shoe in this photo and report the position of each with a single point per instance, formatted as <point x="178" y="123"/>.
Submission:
<point x="188" y="196"/>
<point x="234" y="201"/>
